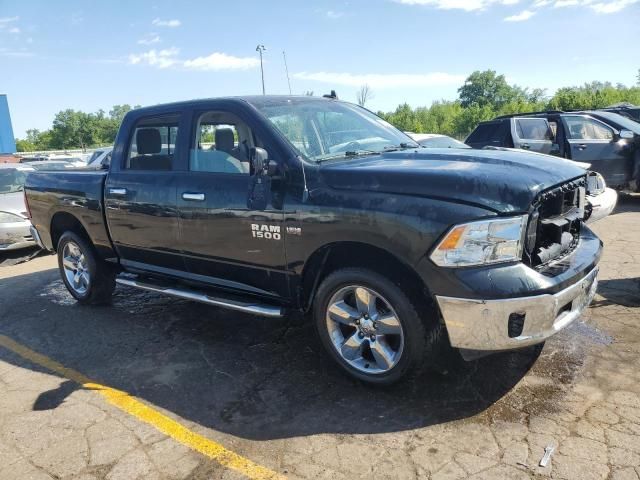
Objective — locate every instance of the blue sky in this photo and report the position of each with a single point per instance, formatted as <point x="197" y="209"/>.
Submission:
<point x="91" y="55"/>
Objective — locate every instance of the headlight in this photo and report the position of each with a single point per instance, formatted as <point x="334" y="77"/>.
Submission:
<point x="6" y="217"/>
<point x="595" y="184"/>
<point x="480" y="243"/>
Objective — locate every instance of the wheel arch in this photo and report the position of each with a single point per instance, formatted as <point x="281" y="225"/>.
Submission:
<point x="63" y="222"/>
<point x="336" y="255"/>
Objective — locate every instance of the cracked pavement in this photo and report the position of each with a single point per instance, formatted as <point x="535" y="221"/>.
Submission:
<point x="264" y="389"/>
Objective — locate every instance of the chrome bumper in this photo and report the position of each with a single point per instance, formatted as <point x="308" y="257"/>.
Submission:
<point x="485" y="324"/>
<point x="36" y="237"/>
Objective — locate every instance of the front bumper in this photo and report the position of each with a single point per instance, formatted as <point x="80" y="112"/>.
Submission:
<point x="504" y="324"/>
<point x="602" y="205"/>
<point x="16" y="235"/>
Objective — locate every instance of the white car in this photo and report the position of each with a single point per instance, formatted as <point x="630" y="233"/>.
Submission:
<point x="436" y="140"/>
<point x="14" y="220"/>
<point x="100" y="158"/>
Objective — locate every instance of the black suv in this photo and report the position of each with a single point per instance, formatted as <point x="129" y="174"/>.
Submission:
<point x="608" y="141"/>
<point x="630" y="111"/>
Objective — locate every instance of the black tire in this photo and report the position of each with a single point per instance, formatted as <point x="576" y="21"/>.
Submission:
<point x="101" y="275"/>
<point x="421" y="336"/>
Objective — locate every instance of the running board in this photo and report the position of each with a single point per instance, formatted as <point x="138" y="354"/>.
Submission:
<point x="247" y="307"/>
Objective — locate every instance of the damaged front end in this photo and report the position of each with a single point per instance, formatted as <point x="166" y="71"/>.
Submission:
<point x="555" y="222"/>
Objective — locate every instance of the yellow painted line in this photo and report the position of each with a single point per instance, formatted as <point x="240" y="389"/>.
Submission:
<point x="146" y="414"/>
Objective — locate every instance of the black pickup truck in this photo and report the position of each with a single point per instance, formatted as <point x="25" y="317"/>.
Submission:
<point x="268" y="204"/>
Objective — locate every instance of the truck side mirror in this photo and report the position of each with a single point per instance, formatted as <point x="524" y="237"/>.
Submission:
<point x="259" y="157"/>
<point x="260" y="163"/>
<point x="259" y="195"/>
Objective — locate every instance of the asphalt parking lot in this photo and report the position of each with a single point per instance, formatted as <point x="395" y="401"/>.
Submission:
<point x="153" y="387"/>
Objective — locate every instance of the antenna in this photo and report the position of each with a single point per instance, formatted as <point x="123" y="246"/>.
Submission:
<point x="286" y="69"/>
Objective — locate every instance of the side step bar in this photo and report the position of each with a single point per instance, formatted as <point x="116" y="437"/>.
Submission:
<point x="247" y="307"/>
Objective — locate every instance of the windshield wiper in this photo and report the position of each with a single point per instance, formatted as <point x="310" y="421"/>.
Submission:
<point x="348" y="154"/>
<point x="402" y="146"/>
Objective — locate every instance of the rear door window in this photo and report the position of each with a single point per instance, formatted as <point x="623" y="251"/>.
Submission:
<point x="153" y="143"/>
<point x="533" y="129"/>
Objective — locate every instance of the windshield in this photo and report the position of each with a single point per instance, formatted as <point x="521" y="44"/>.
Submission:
<point x="95" y="155"/>
<point x="442" y="142"/>
<point x="624" y="122"/>
<point x="11" y="180"/>
<point x="320" y="130"/>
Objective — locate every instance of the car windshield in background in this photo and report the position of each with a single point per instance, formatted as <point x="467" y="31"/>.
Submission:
<point x="322" y="130"/>
<point x="442" y="142"/>
<point x="624" y="122"/>
<point x="12" y="181"/>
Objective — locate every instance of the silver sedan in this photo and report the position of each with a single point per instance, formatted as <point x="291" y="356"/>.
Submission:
<point x="14" y="219"/>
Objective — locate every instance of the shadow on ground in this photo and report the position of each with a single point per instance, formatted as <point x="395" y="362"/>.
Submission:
<point x="251" y="377"/>
<point x="15" y="257"/>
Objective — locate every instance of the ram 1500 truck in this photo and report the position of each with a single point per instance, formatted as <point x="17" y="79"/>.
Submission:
<point x="268" y="204"/>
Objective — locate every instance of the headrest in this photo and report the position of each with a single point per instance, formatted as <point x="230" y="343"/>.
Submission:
<point x="224" y="139"/>
<point x="148" y="141"/>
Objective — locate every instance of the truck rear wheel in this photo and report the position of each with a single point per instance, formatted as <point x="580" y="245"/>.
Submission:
<point x="370" y="327"/>
<point x="88" y="278"/>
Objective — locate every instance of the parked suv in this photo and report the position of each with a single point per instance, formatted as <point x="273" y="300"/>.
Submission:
<point x="606" y="140"/>
<point x="630" y="111"/>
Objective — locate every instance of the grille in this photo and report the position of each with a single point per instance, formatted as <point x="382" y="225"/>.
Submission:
<point x="555" y="222"/>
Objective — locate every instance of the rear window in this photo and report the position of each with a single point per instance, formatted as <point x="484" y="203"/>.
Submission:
<point x="533" y="129"/>
<point x="486" y="133"/>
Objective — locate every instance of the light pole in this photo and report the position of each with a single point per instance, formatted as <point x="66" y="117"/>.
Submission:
<point x="286" y="69"/>
<point x="260" y="49"/>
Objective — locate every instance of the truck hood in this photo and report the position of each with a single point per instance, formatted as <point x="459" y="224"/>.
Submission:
<point x="498" y="180"/>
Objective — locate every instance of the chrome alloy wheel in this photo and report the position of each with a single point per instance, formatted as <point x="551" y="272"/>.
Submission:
<point x="75" y="268"/>
<point x="364" y="329"/>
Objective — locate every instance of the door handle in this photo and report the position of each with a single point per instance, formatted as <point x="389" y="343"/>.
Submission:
<point x="525" y="146"/>
<point x="118" y="191"/>
<point x="582" y="146"/>
<point x="193" y="197"/>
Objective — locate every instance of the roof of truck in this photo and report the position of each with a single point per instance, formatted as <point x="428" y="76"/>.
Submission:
<point x="246" y="99"/>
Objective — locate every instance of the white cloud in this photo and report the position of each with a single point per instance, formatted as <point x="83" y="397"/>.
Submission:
<point x="334" y="15"/>
<point x="520" y="17"/>
<point x="386" y="80"/>
<point x="215" y="62"/>
<point x="166" y="23"/>
<point x="156" y="58"/>
<point x="466" y="5"/>
<point x="5" y="20"/>
<point x="14" y="30"/>
<point x="22" y="53"/>
<point x="221" y="61"/>
<point x="565" y="3"/>
<point x="598" y="6"/>
<point x="611" y="7"/>
<point x="149" y="39"/>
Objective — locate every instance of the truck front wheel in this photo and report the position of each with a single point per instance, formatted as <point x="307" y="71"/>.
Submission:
<point x="370" y="327"/>
<point x="88" y="278"/>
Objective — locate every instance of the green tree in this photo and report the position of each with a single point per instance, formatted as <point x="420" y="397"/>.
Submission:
<point x="487" y="88"/>
<point x="74" y="129"/>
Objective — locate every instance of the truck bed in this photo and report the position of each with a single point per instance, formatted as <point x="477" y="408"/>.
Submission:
<point x="76" y="192"/>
